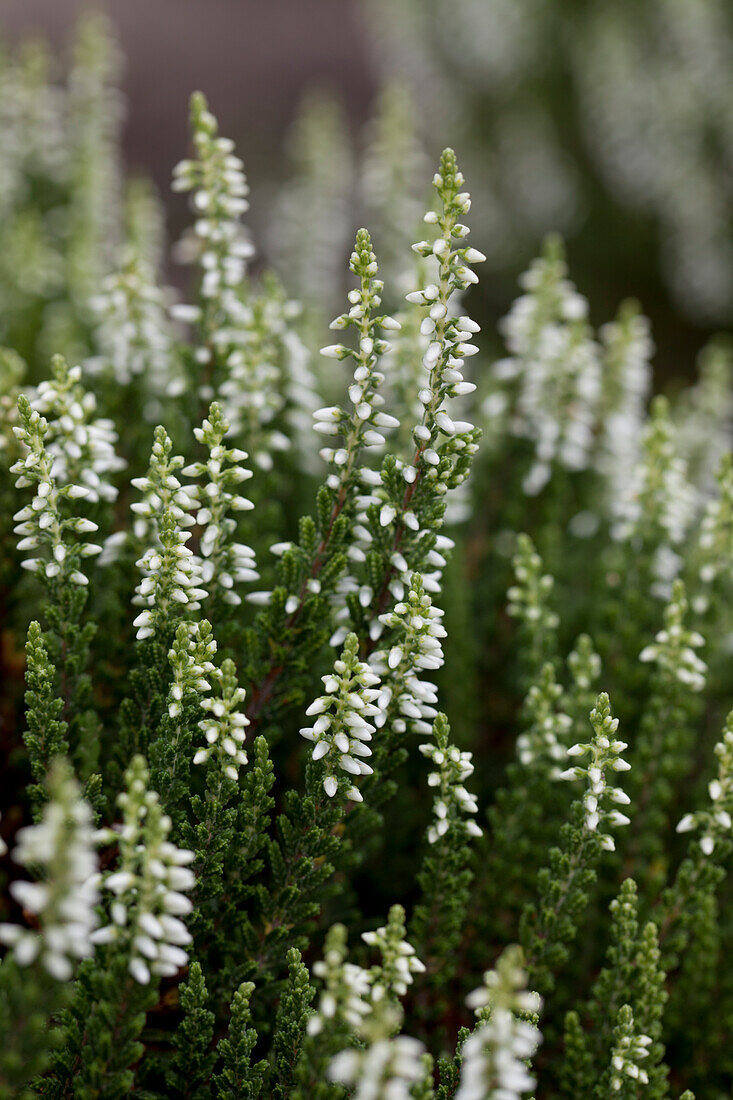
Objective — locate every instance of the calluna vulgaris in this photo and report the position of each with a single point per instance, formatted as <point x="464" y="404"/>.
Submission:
<point x="252" y="858"/>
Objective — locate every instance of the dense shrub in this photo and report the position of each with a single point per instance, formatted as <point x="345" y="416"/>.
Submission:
<point x="379" y="780"/>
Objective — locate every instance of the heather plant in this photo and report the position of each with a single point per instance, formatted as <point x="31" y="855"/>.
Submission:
<point x="400" y="777"/>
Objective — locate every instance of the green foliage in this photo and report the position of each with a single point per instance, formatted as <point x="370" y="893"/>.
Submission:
<point x="239" y="1077"/>
<point x="292" y="1016"/>
<point x="563" y="886"/>
<point x="27" y="1001"/>
<point x="45" y="736"/>
<point x="101" y="1031"/>
<point x="230" y="701"/>
<point x="192" y="1063"/>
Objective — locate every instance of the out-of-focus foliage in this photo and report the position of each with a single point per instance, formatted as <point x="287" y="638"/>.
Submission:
<point x="608" y="122"/>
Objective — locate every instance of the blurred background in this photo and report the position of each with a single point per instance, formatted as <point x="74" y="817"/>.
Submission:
<point x="610" y="122"/>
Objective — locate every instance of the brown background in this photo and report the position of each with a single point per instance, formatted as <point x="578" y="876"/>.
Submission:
<point x="252" y="58"/>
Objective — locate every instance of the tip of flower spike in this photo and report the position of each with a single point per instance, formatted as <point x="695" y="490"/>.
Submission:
<point x="448" y="167"/>
<point x="59" y="368"/>
<point x="553" y="248"/>
<point x="201" y="117"/>
<point x="363" y="262"/>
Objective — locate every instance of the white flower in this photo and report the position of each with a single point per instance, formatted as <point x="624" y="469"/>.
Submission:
<point x="225" y="562"/>
<point x="361" y="426"/>
<point x="399" y="960"/>
<point x="191" y="659"/>
<point x="133" y="333"/>
<point x="346" y="988"/>
<point x="267" y="379"/>
<point x="407" y="700"/>
<point x="161" y="489"/>
<point x="673" y="651"/>
<point x="545" y="737"/>
<point x="626" y="382"/>
<point x="172" y="575"/>
<point x="443" y="444"/>
<point x="387" y="1068"/>
<point x="171" y="578"/>
<point x="61" y="847"/>
<point x="529" y="598"/>
<point x="225" y="724"/>
<point x="714" y="551"/>
<point x="629" y="1051"/>
<point x="716" y="822"/>
<point x="453" y="802"/>
<point x="150" y="885"/>
<point x="604" y="752"/>
<point x="43" y="524"/>
<point x="659" y="504"/>
<point x="80" y="444"/>
<point x="384" y="1066"/>
<point x="555" y="368"/>
<point x="495" y="1055"/>
<point x="218" y="241"/>
<point x="341" y="732"/>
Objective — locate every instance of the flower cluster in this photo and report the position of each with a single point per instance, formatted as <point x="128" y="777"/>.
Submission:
<point x="61" y="849"/>
<point x="222" y="248"/>
<point x="400" y="515"/>
<point x="161" y="490"/>
<point x="346" y="986"/>
<point x="495" y="1056"/>
<point x="659" y="504"/>
<point x="528" y="598"/>
<point x="382" y="1065"/>
<point x="171" y="572"/>
<point x="714" y="823"/>
<point x="149" y="884"/>
<point x="364" y="425"/>
<point x="225" y="724"/>
<point x="715" y="539"/>
<point x="452" y="801"/>
<point x="388" y="1067"/>
<point x="604" y="752"/>
<point x="341" y="731"/>
<point x="42" y="523"/>
<point x="627" y="349"/>
<point x="133" y="332"/>
<point x="225" y="563"/>
<point x="171" y="579"/>
<point x="629" y="1051"/>
<point x="191" y="658"/>
<point x="406" y="700"/>
<point x="274" y="860"/>
<point x="529" y="603"/>
<point x="547" y="727"/>
<point x="80" y="444"/>
<point x="440" y="441"/>
<point x="704" y="417"/>
<point x="556" y="367"/>
<point x="268" y="382"/>
<point x="673" y="649"/>
<point x="399" y="961"/>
